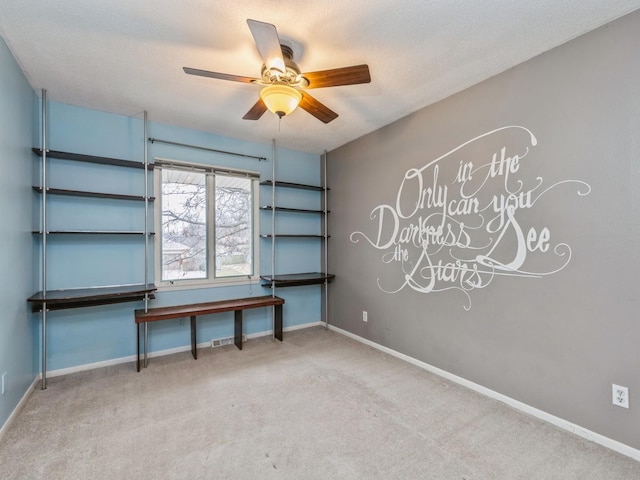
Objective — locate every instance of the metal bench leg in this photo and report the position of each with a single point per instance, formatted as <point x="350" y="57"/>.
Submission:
<point x="138" y="347"/>
<point x="146" y="338"/>
<point x="194" y="342"/>
<point x="277" y="321"/>
<point x="237" y="338"/>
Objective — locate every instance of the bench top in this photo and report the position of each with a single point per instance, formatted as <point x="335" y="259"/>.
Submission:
<point x="181" y="311"/>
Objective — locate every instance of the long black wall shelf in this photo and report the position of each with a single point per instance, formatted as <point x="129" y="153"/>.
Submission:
<point x="79" y="157"/>
<point x="87" y="297"/>
<point x="81" y="193"/>
<point x="292" y="185"/>
<point x="296" y="279"/>
<point x="291" y="235"/>
<point x="293" y="210"/>
<point x="92" y="232"/>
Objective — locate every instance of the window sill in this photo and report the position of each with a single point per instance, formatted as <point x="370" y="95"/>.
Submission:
<point x="196" y="284"/>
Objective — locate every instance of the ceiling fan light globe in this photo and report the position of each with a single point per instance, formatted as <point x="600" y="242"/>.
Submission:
<point x="280" y="100"/>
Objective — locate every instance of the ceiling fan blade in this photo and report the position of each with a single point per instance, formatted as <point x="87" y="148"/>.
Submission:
<point x="256" y="111"/>
<point x="221" y="76"/>
<point x="268" y="43"/>
<point x="338" y="76"/>
<point x="317" y="109"/>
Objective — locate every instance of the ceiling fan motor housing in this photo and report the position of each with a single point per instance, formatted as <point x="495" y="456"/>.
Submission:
<point x="291" y="76"/>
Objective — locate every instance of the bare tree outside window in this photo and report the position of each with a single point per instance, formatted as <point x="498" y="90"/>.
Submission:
<point x="184" y="225"/>
<point x="233" y="226"/>
<point x="188" y="240"/>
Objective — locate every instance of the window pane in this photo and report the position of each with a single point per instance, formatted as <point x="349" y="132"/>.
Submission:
<point x="184" y="229"/>
<point x="233" y="226"/>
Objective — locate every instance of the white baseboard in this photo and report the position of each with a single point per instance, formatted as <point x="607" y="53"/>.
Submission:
<point x="7" y="425"/>
<point x="542" y="415"/>
<point x="162" y="353"/>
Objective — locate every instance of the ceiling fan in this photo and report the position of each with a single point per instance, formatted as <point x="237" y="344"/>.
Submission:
<point x="283" y="84"/>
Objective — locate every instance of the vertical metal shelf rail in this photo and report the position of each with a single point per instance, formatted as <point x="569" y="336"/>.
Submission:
<point x="325" y="243"/>
<point x="43" y="244"/>
<point x="146" y="231"/>
<point x="273" y="229"/>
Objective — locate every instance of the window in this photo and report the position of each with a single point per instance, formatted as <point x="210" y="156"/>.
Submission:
<point x="206" y="224"/>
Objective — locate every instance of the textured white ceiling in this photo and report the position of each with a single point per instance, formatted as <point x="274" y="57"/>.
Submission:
<point x="126" y="56"/>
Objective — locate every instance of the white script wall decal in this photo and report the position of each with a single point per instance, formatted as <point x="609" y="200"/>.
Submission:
<point x="462" y="231"/>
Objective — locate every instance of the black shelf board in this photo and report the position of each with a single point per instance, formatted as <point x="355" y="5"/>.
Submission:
<point x="92" y="232"/>
<point x="80" y="157"/>
<point x="81" y="193"/>
<point x="92" y="296"/>
<point x="292" y="235"/>
<point x="296" y="279"/>
<point x="292" y="185"/>
<point x="293" y="210"/>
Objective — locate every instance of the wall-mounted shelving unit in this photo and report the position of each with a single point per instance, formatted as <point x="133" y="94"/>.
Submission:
<point x="46" y="299"/>
<point x="296" y="279"/>
<point x="276" y="280"/>
<point x="88" y="297"/>
<point x="80" y="193"/>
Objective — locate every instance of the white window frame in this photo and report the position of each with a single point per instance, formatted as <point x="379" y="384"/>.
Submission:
<point x="211" y="280"/>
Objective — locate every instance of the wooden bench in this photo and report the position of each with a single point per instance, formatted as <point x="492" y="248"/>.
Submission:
<point x="193" y="310"/>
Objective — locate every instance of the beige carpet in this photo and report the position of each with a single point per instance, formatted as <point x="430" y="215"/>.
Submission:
<point x="316" y="406"/>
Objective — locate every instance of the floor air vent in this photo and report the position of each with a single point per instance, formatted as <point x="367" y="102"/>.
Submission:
<point x="219" y="342"/>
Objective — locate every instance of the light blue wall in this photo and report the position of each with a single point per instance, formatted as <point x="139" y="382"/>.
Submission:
<point x="18" y="342"/>
<point x="88" y="335"/>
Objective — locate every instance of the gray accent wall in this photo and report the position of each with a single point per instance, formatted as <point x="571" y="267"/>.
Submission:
<point x="518" y="272"/>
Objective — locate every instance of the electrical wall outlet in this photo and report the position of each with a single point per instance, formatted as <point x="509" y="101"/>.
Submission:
<point x="620" y="395"/>
<point x="364" y="316"/>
